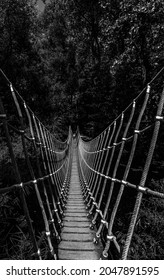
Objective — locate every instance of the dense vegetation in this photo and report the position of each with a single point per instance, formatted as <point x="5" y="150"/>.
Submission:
<point x="78" y="58"/>
<point x="81" y="63"/>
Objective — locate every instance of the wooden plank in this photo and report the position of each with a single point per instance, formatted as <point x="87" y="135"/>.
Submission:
<point x="77" y="237"/>
<point x="74" y="202"/>
<point x="74" y="198"/>
<point x="76" y="224"/>
<point x="84" y="230"/>
<point x="73" y="207"/>
<point x="75" y="214"/>
<point x="73" y="195"/>
<point x="79" y="205"/>
<point x="75" y="218"/>
<point x="76" y="211"/>
<point x="77" y="246"/>
<point x="71" y="255"/>
<point x="75" y="190"/>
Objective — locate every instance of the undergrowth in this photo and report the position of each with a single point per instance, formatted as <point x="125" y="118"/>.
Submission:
<point x="147" y="242"/>
<point x="15" y="241"/>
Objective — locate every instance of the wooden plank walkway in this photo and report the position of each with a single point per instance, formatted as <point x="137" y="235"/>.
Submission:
<point x="76" y="236"/>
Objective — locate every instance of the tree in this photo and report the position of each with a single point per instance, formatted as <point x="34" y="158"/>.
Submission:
<point x="138" y="39"/>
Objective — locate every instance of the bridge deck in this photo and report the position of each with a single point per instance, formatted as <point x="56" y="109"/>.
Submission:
<point x="76" y="236"/>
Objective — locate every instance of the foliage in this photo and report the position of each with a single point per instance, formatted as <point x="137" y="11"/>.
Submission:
<point x="78" y="63"/>
<point x="147" y="242"/>
<point x="96" y="53"/>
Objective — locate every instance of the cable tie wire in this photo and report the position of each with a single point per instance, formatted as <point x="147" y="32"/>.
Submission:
<point x="113" y="180"/>
<point x="111" y="237"/>
<point x="21" y="131"/>
<point x="100" y="212"/>
<point x="24" y="103"/>
<point x="3" y="116"/>
<point x="148" y="88"/>
<point x="142" y="189"/>
<point x="34" y="181"/>
<point x="104" y="222"/>
<point x="48" y="233"/>
<point x="124" y="182"/>
<point x="136" y="131"/>
<point x="159" y="118"/>
<point x="40" y="179"/>
<point x="124" y="139"/>
<point x="11" y="87"/>
<point x="94" y="203"/>
<point x="38" y="252"/>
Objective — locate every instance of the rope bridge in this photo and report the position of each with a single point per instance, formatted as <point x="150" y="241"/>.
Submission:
<point x="85" y="191"/>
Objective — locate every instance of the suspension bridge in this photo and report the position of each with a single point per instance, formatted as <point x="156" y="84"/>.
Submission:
<point x="85" y="191"/>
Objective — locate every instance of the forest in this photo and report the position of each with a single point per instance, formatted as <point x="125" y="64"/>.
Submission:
<point x="80" y="63"/>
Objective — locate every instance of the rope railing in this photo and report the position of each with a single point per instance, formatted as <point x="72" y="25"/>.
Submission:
<point x="114" y="167"/>
<point x="107" y="166"/>
<point x="47" y="161"/>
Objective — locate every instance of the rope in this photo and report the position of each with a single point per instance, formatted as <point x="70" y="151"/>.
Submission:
<point x="100" y="162"/>
<point x="105" y="165"/>
<point x="50" y="177"/>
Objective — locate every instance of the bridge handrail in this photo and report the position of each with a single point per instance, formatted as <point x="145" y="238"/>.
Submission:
<point x="156" y="76"/>
<point x="49" y="181"/>
<point x="100" y="164"/>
